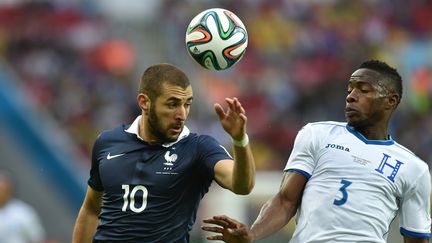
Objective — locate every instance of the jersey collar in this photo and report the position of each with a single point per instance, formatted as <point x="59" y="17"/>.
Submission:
<point x="389" y="141"/>
<point x="134" y="128"/>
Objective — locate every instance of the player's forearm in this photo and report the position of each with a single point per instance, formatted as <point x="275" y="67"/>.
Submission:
<point x="415" y="240"/>
<point x="244" y="170"/>
<point x="85" y="227"/>
<point x="274" y="215"/>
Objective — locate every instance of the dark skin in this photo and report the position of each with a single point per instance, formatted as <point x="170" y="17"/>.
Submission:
<point x="369" y="106"/>
<point x="275" y="214"/>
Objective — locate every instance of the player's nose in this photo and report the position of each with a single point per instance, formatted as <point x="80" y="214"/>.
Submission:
<point x="181" y="113"/>
<point x="351" y="97"/>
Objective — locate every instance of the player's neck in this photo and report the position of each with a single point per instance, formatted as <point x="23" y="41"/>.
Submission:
<point x="373" y="132"/>
<point x="145" y="134"/>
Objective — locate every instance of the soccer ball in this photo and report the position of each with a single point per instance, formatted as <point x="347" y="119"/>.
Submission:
<point x="216" y="39"/>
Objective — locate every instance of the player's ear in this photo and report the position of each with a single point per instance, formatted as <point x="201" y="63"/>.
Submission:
<point x="143" y="102"/>
<point x="393" y="101"/>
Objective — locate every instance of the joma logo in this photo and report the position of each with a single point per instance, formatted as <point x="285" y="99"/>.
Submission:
<point x="337" y="146"/>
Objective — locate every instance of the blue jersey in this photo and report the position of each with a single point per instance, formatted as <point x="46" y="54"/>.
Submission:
<point x="151" y="193"/>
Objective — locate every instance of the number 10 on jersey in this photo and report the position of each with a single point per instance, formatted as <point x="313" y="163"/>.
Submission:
<point x="129" y="198"/>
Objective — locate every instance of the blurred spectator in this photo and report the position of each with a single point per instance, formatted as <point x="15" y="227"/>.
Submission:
<point x="19" y="222"/>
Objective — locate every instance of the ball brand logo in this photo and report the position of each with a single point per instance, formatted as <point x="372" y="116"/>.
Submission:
<point x="170" y="159"/>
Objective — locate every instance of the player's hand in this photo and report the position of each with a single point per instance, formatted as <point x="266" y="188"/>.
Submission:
<point x="229" y="230"/>
<point x="234" y="119"/>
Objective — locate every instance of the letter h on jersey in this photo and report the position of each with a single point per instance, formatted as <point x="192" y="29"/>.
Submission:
<point x="384" y="163"/>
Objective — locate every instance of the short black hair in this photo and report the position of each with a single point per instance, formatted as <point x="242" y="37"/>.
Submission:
<point x="390" y="74"/>
<point x="156" y="75"/>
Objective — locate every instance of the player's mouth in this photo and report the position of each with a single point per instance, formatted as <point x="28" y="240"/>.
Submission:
<point x="176" y="129"/>
<point x="349" y="111"/>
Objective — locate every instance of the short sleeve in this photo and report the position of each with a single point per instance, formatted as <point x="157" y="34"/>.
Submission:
<point x="210" y="152"/>
<point x="415" y="220"/>
<point x="94" y="181"/>
<point x="302" y="156"/>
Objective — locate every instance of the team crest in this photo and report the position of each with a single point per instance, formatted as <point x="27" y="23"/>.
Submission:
<point x="170" y="159"/>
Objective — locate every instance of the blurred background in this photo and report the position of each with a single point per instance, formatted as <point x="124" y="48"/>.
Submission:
<point x="70" y="69"/>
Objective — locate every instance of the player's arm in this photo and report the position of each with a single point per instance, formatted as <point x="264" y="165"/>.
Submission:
<point x="415" y="219"/>
<point x="415" y="240"/>
<point x="237" y="175"/>
<point x="279" y="210"/>
<point x="87" y="220"/>
<point x="274" y="214"/>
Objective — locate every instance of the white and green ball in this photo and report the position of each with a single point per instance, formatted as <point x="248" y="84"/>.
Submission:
<point x="216" y="39"/>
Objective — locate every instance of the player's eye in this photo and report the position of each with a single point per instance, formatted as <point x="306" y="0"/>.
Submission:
<point x="364" y="89"/>
<point x="172" y="105"/>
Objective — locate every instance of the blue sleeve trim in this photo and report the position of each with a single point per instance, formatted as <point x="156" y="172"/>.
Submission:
<point x="307" y="175"/>
<point x="414" y="234"/>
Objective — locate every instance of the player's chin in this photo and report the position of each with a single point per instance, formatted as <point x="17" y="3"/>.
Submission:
<point x="355" y="122"/>
<point x="172" y="135"/>
<point x="352" y="121"/>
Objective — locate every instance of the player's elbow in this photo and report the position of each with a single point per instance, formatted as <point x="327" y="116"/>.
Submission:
<point x="243" y="192"/>
<point x="244" y="189"/>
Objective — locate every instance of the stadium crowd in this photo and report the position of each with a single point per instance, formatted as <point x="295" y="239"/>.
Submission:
<point x="82" y="65"/>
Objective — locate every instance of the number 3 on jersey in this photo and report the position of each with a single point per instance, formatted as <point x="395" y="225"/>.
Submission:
<point x="345" y="184"/>
<point x="129" y="198"/>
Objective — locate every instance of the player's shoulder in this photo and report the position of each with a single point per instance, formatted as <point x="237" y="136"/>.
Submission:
<point x="114" y="137"/>
<point x="325" y="126"/>
<point x="113" y="133"/>
<point x="198" y="145"/>
<point x="201" y="142"/>
<point x="199" y="138"/>
<point x="411" y="156"/>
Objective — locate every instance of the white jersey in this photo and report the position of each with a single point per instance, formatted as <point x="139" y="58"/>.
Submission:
<point x="19" y="223"/>
<point x="356" y="187"/>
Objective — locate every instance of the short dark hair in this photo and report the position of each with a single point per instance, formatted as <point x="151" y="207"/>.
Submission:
<point x="156" y="75"/>
<point x="390" y="75"/>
